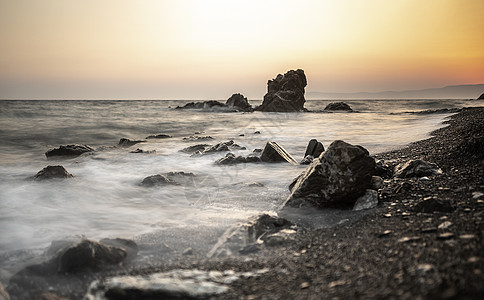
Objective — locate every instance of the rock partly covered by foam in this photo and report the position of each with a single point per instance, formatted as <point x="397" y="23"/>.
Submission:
<point x="416" y="168"/>
<point x="273" y="153"/>
<point x="69" y="150"/>
<point x="337" y="178"/>
<point x="285" y="93"/>
<point x="52" y="172"/>
<point x="239" y="102"/>
<point x="338" y="106"/>
<point x="481" y="97"/>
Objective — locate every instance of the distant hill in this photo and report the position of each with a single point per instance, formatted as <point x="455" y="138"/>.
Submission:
<point x="467" y="91"/>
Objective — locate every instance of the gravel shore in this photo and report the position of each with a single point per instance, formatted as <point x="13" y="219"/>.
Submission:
<point x="396" y="251"/>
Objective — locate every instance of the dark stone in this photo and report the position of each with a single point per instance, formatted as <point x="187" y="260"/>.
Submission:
<point x="221" y="147"/>
<point x="128" y="143"/>
<point x="232" y="159"/>
<point x="383" y="169"/>
<point x="338" y="106"/>
<point x="274" y="153"/>
<point x="203" y="105"/>
<point x="186" y="178"/>
<point x="416" y="168"/>
<point x="143" y="151"/>
<point x="314" y="148"/>
<point x="481" y="97"/>
<point x="159" y="136"/>
<point x="129" y="246"/>
<point x="197" y="138"/>
<point x="337" y="178"/>
<point x="87" y="254"/>
<point x="285" y="93"/>
<point x="157" y="180"/>
<point x="239" y="102"/>
<point x="195" y="148"/>
<point x="433" y="205"/>
<point x="69" y="150"/>
<point x="307" y="160"/>
<point x="52" y="172"/>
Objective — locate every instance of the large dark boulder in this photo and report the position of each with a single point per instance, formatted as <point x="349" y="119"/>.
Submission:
<point x="69" y="150"/>
<point x="337" y="178"/>
<point x="52" y="172"/>
<point x="338" y="106"/>
<point x="273" y="153"/>
<point x="285" y="93"/>
<point x="239" y="102"/>
<point x="313" y="150"/>
<point x="481" y="97"/>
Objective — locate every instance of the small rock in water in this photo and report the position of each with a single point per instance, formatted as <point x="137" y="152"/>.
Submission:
<point x="338" y="106"/>
<point x="367" y="201"/>
<point x="314" y="148"/>
<point x="128" y="143"/>
<point x="195" y="148"/>
<point x="143" y="151"/>
<point x="157" y="180"/>
<point x="416" y="168"/>
<point x="197" y="138"/>
<point x="69" y="151"/>
<point x="158" y="136"/>
<point x="274" y="153"/>
<point x="239" y="102"/>
<point x="52" y="172"/>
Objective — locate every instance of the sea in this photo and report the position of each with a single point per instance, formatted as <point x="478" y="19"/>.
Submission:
<point x="105" y="199"/>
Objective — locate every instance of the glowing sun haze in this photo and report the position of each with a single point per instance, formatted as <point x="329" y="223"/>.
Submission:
<point x="189" y="49"/>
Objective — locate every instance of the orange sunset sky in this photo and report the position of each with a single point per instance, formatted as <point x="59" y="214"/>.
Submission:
<point x="209" y="49"/>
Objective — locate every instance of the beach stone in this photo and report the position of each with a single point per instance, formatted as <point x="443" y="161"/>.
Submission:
<point x="128" y="245"/>
<point x="128" y="143"/>
<point x="158" y="136"/>
<point x="87" y="254"/>
<point x="338" y="106"/>
<point x="52" y="172"/>
<point x="376" y="183"/>
<point x="416" y="168"/>
<point x="383" y="169"/>
<point x="337" y="178"/>
<point x="239" y="102"/>
<point x="432" y="205"/>
<point x="273" y="152"/>
<point x="481" y="97"/>
<point x="367" y="201"/>
<point x="285" y="93"/>
<point x="195" y="148"/>
<point x="69" y="150"/>
<point x="157" y="180"/>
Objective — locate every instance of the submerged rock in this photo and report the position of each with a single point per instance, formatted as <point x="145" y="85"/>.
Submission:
<point x="337" y="178"/>
<point x="158" y="136"/>
<point x="273" y="153"/>
<point x="338" y="106"/>
<point x="239" y="102"/>
<point x="52" y="172"/>
<point x="69" y="150"/>
<point x="416" y="168"/>
<point x="128" y="143"/>
<point x="195" y="148"/>
<point x="180" y="177"/>
<point x="157" y="180"/>
<point x="232" y="159"/>
<point x="143" y="151"/>
<point x="285" y="93"/>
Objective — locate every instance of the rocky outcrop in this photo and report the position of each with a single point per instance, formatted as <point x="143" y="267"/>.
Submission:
<point x="273" y="153"/>
<point x="158" y="136"/>
<point x="285" y="93"/>
<point x="52" y="172"/>
<point x="232" y="159"/>
<point x="211" y="104"/>
<point x="69" y="151"/>
<point x="338" y="106"/>
<point x="128" y="143"/>
<point x="337" y="178"/>
<point x="313" y="150"/>
<point x="481" y="97"/>
<point x="416" y="168"/>
<point x="239" y="102"/>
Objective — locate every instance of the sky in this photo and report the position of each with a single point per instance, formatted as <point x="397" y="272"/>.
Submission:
<point x="210" y="49"/>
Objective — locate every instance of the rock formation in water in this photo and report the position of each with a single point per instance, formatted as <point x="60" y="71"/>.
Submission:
<point x="52" y="172"/>
<point x="273" y="153"/>
<point x="338" y="106"/>
<point x="128" y="143"/>
<point x="285" y="93"/>
<point x="69" y="150"/>
<point x="481" y="97"/>
<point x="239" y="102"/>
<point x="313" y="150"/>
<point x="337" y="178"/>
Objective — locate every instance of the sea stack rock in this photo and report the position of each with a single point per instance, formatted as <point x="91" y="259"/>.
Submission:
<point x="285" y="93"/>
<point x="239" y="102"/>
<point x="338" y="106"/>
<point x="337" y="178"/>
<point x="481" y="97"/>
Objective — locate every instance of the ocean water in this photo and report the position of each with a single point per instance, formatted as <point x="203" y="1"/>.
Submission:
<point x="105" y="199"/>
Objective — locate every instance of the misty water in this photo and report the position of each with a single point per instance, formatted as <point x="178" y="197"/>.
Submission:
<point x="105" y="199"/>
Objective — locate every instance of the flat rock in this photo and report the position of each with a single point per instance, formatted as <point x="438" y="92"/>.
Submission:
<point x="52" y="172"/>
<point x="69" y="150"/>
<point x="338" y="106"/>
<point x="337" y="178"/>
<point x="416" y="168"/>
<point x="285" y="93"/>
<point x="273" y="152"/>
